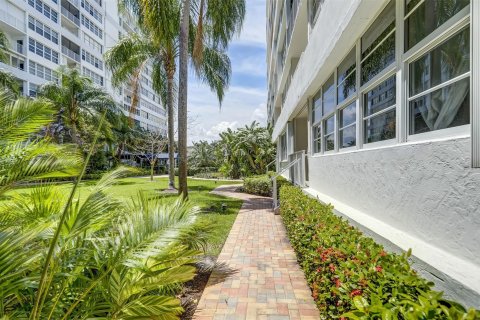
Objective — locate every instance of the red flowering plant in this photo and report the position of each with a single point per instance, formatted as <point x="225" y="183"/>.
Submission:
<point x="352" y="276"/>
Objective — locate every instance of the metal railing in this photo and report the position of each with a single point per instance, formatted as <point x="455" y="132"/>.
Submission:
<point x="69" y="53"/>
<point x="291" y="20"/>
<point x="70" y="16"/>
<point x="296" y="167"/>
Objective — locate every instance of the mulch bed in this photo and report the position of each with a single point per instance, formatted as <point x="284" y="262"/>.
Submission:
<point x="191" y="293"/>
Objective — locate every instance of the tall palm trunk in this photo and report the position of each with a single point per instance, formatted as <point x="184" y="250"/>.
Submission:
<point x="171" y="133"/>
<point x="182" y="100"/>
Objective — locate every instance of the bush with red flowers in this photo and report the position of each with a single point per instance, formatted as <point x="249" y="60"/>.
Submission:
<point x="353" y="277"/>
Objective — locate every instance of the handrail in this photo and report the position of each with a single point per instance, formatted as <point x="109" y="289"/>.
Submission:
<point x="297" y="173"/>
<point x="274" y="181"/>
<point x="269" y="164"/>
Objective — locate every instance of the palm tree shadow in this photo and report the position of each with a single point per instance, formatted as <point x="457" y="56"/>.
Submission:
<point x="219" y="271"/>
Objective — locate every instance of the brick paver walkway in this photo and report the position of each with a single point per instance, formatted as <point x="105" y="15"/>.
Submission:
<point x="267" y="283"/>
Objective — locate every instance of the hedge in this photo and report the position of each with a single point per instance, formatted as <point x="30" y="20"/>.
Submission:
<point x="353" y="277"/>
<point x="262" y="185"/>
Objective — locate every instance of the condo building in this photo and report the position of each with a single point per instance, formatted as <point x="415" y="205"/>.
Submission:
<point x="47" y="34"/>
<point x="375" y="106"/>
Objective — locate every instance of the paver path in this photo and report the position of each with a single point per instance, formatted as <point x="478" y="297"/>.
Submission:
<point x="268" y="282"/>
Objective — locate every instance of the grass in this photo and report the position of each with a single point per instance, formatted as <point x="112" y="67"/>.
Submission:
<point x="199" y="194"/>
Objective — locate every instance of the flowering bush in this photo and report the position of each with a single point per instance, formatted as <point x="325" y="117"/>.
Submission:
<point x="353" y="277"/>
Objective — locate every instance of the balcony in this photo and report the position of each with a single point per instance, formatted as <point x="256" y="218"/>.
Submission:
<point x="71" y="54"/>
<point x="291" y="16"/>
<point x="12" y="22"/>
<point x="70" y="16"/>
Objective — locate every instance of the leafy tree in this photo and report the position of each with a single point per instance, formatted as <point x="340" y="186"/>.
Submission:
<point x="7" y="80"/>
<point x="79" y="105"/>
<point x="150" y="144"/>
<point x="246" y="151"/>
<point x="23" y="155"/>
<point x="203" y="155"/>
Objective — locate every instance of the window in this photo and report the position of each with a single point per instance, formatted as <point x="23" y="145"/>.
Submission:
<point x="347" y="130"/>
<point x="317" y="138"/>
<point x="42" y="29"/>
<point x="43" y="51"/>
<point x="42" y="71"/>
<point x="378" y="44"/>
<point x="328" y="96"/>
<point x="283" y="147"/>
<point x="91" y="10"/>
<point x="97" y="79"/>
<point x="346" y="77"/>
<point x="436" y="88"/>
<point x="87" y="56"/>
<point x="94" y="44"/>
<point x="329" y="134"/>
<point x="439" y="86"/>
<point x="32" y="91"/>
<point x="44" y="9"/>
<point x="91" y="26"/>
<point x="317" y="108"/>
<point x="424" y="17"/>
<point x="379" y="112"/>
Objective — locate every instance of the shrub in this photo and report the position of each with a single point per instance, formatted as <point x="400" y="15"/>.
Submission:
<point x="353" y="277"/>
<point x="262" y="185"/>
<point x="259" y="185"/>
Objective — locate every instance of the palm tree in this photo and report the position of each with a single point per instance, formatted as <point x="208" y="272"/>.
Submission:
<point x="79" y="104"/>
<point x="133" y="54"/>
<point x="161" y="27"/>
<point x="23" y="156"/>
<point x="111" y="260"/>
<point x="216" y="24"/>
<point x="203" y="155"/>
<point x="7" y="80"/>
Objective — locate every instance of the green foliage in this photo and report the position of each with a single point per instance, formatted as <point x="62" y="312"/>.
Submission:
<point x="262" y="184"/>
<point x="79" y="105"/>
<point x="351" y="276"/>
<point x="259" y="185"/>
<point x="23" y="156"/>
<point x="63" y="256"/>
<point x="246" y="151"/>
<point x="202" y="156"/>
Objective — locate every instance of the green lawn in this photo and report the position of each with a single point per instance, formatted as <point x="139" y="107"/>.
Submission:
<point x="199" y="194"/>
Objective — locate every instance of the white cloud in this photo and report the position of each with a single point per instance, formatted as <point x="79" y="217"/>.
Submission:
<point x="245" y="99"/>
<point x="259" y="114"/>
<point x="254" y="26"/>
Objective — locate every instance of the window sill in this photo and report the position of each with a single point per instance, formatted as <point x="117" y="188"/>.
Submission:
<point x="387" y="144"/>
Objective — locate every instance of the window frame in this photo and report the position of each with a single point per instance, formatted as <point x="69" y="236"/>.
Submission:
<point x="399" y="68"/>
<point x="440" y="35"/>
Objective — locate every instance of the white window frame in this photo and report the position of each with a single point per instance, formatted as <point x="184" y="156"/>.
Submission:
<point x="399" y="69"/>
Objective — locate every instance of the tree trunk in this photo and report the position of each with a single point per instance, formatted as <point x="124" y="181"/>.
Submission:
<point x="171" y="133"/>
<point x="152" y="165"/>
<point x="182" y="100"/>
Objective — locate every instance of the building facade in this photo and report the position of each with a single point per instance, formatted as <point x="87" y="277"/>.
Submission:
<point x="374" y="97"/>
<point x="46" y="34"/>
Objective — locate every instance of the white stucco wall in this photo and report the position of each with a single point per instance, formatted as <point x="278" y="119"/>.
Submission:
<point x="338" y="25"/>
<point x="423" y="196"/>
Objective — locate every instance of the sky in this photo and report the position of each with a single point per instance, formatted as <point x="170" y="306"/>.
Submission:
<point x="245" y="100"/>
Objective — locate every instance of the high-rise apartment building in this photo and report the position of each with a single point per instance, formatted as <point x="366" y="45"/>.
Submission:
<point x="45" y="34"/>
<point x="375" y="106"/>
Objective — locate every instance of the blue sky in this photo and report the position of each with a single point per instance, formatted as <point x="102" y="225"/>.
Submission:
<point x="245" y="100"/>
